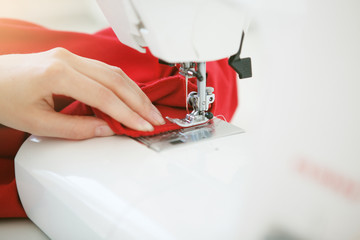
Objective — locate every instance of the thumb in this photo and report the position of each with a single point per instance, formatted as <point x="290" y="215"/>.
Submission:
<point x="54" y="124"/>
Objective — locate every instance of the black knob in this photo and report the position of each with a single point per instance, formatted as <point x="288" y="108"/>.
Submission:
<point x="209" y="115"/>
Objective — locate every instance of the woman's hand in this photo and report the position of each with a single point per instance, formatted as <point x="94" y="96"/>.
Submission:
<point x="29" y="81"/>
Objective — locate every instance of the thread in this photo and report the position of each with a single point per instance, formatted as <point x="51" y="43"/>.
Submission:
<point x="186" y="93"/>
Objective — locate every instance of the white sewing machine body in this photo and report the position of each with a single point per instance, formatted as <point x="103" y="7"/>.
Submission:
<point x="128" y="191"/>
<point x="179" y="31"/>
<point x="294" y="174"/>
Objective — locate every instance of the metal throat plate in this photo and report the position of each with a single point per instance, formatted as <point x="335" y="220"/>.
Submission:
<point x="214" y="128"/>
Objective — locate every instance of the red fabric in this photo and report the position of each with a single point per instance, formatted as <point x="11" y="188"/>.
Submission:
<point x="169" y="94"/>
<point x="10" y="142"/>
<point x="163" y="85"/>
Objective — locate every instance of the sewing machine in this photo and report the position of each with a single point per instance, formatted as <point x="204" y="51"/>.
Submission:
<point x="293" y="175"/>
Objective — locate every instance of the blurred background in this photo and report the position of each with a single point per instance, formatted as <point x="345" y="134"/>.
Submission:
<point x="79" y="15"/>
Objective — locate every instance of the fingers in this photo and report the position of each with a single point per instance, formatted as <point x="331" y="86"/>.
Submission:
<point x="29" y="82"/>
<point x="55" y="124"/>
<point x="111" y="68"/>
<point x="123" y="87"/>
<point x="100" y="97"/>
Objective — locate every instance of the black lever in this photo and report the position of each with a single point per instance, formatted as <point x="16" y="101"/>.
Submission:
<point x="166" y="63"/>
<point x="241" y="65"/>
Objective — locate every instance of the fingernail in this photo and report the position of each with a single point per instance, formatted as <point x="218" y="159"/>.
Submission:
<point x="103" y="131"/>
<point x="145" y="126"/>
<point x="157" y="117"/>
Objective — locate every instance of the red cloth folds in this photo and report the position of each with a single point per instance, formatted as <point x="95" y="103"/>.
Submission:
<point x="162" y="84"/>
<point x="166" y="93"/>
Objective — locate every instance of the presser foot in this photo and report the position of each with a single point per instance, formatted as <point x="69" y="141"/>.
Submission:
<point x="192" y="119"/>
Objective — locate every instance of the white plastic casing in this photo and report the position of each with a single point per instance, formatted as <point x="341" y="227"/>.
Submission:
<point x="178" y="31"/>
<point x="116" y="188"/>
